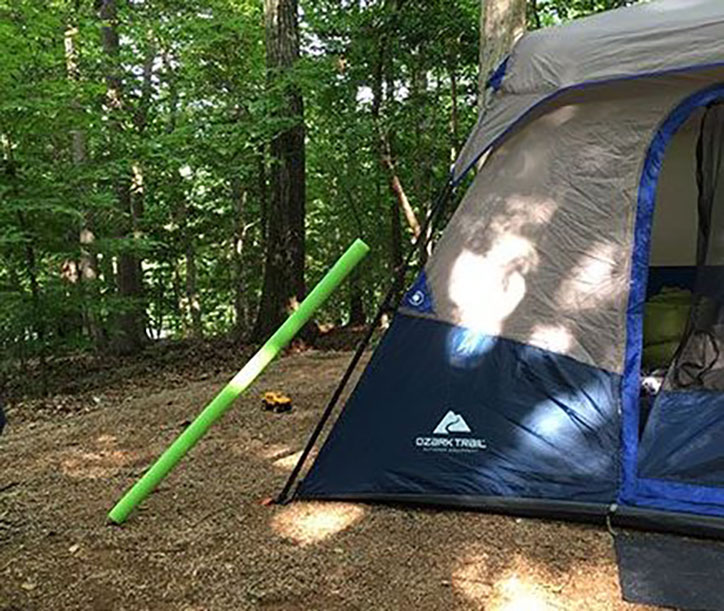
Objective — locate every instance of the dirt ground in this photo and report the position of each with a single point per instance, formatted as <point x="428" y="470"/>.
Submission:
<point x="204" y="540"/>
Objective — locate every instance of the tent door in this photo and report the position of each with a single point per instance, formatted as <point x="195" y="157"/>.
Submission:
<point x="682" y="440"/>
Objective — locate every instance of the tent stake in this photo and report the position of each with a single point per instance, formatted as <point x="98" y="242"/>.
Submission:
<point x="241" y="381"/>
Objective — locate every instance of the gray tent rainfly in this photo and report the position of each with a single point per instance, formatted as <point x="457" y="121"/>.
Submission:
<point x="560" y="354"/>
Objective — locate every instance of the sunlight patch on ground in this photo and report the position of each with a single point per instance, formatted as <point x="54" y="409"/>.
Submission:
<point x="307" y="523"/>
<point x="519" y="593"/>
<point x="470" y="578"/>
<point x="95" y="465"/>
<point x="106" y="441"/>
<point x="287" y="463"/>
<point x="274" y="451"/>
<point x="518" y="588"/>
<point x="281" y="455"/>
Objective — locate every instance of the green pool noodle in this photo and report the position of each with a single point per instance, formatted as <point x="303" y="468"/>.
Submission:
<point x="240" y="382"/>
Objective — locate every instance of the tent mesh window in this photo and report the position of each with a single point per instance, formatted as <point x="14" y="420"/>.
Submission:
<point x="699" y="362"/>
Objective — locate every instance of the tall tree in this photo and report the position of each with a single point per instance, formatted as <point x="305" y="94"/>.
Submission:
<point x="502" y="23"/>
<point x="87" y="267"/>
<point x="130" y="332"/>
<point x="285" y="251"/>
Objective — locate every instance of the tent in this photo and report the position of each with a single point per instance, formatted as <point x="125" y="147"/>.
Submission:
<point x="511" y="376"/>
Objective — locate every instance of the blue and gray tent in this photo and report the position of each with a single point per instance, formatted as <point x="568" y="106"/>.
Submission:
<point x="511" y="376"/>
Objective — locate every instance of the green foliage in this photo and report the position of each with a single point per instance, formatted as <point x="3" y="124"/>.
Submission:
<point x="189" y="140"/>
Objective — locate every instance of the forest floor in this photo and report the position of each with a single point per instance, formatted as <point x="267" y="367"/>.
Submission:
<point x="205" y="541"/>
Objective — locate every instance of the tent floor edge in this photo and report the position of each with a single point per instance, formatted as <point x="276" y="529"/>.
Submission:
<point x="669" y="522"/>
<point x="650" y="520"/>
<point x="520" y="507"/>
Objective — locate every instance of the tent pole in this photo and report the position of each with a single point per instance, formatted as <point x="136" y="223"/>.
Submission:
<point x="241" y="381"/>
<point x="284" y="497"/>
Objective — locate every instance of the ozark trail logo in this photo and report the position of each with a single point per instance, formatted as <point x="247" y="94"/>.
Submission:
<point x="451" y="435"/>
<point x="451" y="423"/>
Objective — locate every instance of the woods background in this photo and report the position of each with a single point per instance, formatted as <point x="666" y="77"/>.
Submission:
<point x="175" y="169"/>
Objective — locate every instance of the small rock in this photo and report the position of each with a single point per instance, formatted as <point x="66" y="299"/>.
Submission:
<point x="74" y="548"/>
<point x="28" y="585"/>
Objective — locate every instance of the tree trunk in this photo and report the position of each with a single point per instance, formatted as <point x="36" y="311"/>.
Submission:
<point x="383" y="69"/>
<point x="263" y="187"/>
<point x="88" y="260"/>
<point x="192" y="294"/>
<point x="397" y="189"/>
<point x="377" y="95"/>
<point x="357" y="316"/>
<point x="422" y="158"/>
<point x="38" y="313"/>
<point x="160" y="284"/>
<point x="396" y="249"/>
<point x="283" y="285"/>
<point x="190" y="304"/>
<point x="89" y="277"/>
<point x="241" y="304"/>
<point x="178" y="309"/>
<point x="130" y="334"/>
<point x="502" y="23"/>
<point x="454" y="118"/>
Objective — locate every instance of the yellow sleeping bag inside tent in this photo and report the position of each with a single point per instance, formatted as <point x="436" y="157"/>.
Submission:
<point x="665" y="317"/>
